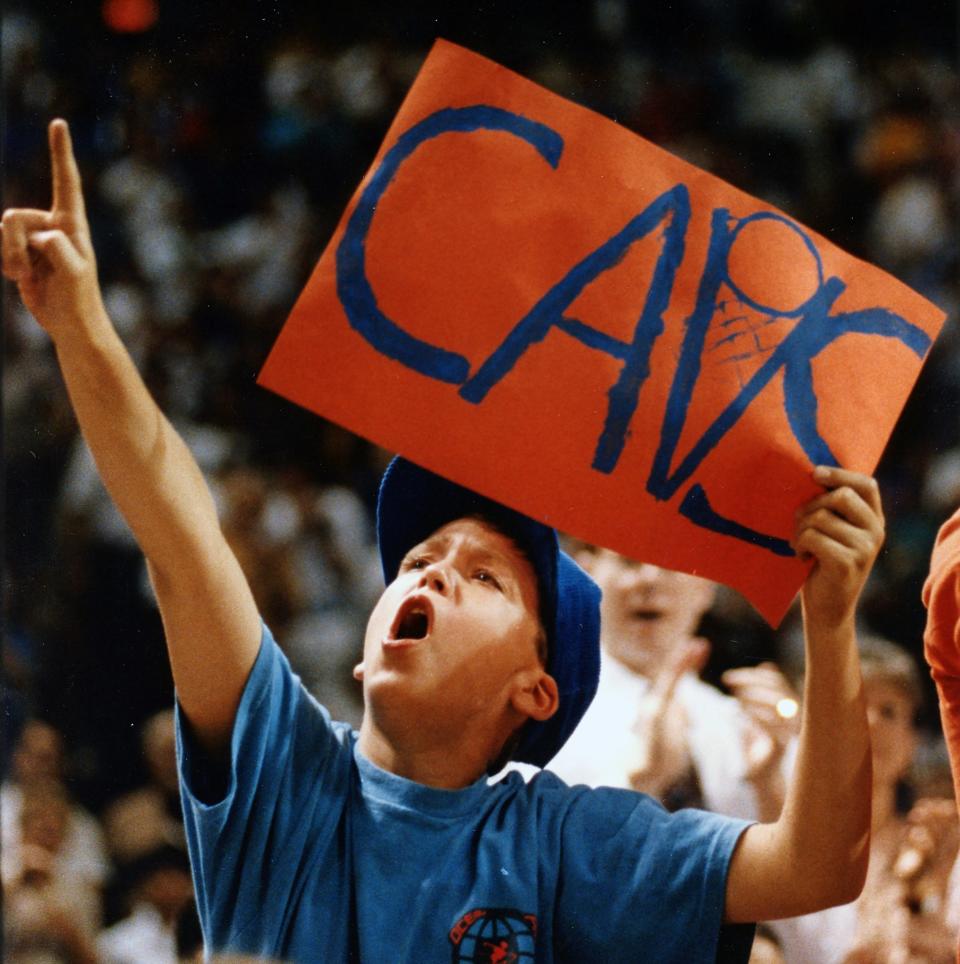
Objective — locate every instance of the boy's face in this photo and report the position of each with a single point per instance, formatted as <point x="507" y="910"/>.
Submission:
<point x="453" y="633"/>
<point x="645" y="610"/>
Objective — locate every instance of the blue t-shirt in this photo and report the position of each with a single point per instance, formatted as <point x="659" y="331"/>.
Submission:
<point x="315" y="854"/>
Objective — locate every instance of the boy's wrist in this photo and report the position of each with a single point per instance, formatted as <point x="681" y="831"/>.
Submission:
<point x="827" y="616"/>
<point x="84" y="329"/>
<point x="836" y="626"/>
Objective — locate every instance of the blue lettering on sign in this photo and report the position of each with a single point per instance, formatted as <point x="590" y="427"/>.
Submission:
<point x="353" y="287"/>
<point x="672" y="208"/>
<point x="815" y="328"/>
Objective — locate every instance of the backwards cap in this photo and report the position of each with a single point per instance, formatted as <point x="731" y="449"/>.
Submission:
<point x="413" y="503"/>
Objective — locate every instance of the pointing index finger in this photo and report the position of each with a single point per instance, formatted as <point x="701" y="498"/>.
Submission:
<point x="67" y="192"/>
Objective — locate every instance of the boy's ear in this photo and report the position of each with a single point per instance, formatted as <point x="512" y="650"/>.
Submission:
<point x="358" y="672"/>
<point x="538" y="698"/>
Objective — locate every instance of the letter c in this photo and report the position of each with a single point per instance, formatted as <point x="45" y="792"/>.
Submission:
<point x="353" y="287"/>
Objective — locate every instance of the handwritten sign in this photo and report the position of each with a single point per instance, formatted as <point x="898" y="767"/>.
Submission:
<point x="530" y="299"/>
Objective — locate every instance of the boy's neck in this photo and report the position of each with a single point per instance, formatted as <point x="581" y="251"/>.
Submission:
<point x="441" y="766"/>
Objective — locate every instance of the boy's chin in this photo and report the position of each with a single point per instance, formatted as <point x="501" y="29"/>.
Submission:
<point x="397" y="694"/>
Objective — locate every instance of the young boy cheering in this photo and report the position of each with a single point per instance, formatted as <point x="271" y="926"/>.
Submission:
<point x="310" y="842"/>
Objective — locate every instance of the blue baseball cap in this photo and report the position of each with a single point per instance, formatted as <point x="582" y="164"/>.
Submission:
<point x="413" y="503"/>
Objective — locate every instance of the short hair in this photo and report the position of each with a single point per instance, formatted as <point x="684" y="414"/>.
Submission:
<point x="884" y="661"/>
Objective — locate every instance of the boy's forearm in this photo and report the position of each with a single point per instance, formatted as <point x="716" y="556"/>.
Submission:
<point x="816" y="854"/>
<point x="146" y="467"/>
<point x="826" y="817"/>
<point x="827" y="810"/>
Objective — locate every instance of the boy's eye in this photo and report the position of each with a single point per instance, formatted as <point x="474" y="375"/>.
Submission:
<point x="484" y="575"/>
<point x="416" y="562"/>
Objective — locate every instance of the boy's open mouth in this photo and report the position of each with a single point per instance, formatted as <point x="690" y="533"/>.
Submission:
<point x="412" y="622"/>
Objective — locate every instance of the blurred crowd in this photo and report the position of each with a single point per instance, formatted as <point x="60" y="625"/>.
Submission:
<point x="218" y="150"/>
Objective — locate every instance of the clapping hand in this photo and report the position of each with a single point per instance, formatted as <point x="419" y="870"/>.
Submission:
<point x="660" y="724"/>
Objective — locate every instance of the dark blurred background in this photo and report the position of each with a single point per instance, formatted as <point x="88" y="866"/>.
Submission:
<point x="219" y="144"/>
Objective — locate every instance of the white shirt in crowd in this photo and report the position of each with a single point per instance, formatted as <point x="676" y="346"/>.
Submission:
<point x="604" y="749"/>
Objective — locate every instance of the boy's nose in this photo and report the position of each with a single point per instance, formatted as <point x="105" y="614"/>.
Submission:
<point x="436" y="578"/>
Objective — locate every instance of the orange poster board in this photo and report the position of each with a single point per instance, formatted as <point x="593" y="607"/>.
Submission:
<point x="535" y="302"/>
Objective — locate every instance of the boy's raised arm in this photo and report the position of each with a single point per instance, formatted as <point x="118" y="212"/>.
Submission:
<point x="816" y="854"/>
<point x="209" y="615"/>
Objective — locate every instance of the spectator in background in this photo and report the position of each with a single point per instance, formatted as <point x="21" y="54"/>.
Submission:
<point x="151" y="815"/>
<point x="158" y="887"/>
<point x="50" y="914"/>
<point x="901" y="911"/>
<point x="654" y="725"/>
<point x="35" y="809"/>
<point x="923" y="867"/>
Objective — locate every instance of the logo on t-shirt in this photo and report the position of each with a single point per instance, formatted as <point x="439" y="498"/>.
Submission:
<point x="498" y="935"/>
